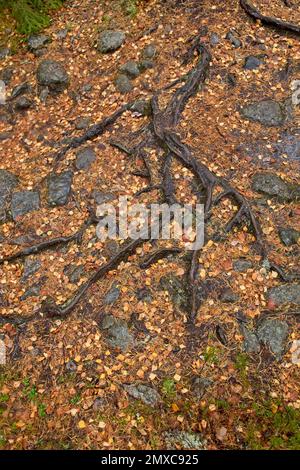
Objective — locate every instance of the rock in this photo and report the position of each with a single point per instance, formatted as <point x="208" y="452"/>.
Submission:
<point x="71" y="366"/>
<point x="228" y="296"/>
<point x="274" y="186"/>
<point x="101" y="197"/>
<point x="52" y="74"/>
<point x="285" y="294"/>
<point x="273" y="334"/>
<point x="242" y="265"/>
<point x="144" y="294"/>
<point x="149" y="51"/>
<point x="99" y="403"/>
<point x="267" y="112"/>
<point x="38" y="41"/>
<point x="288" y="145"/>
<point x="187" y="440"/>
<point x="145" y="393"/>
<point x="31" y="266"/>
<point x="4" y="52"/>
<point x="8" y="181"/>
<point x="233" y="39"/>
<point x="130" y="69"/>
<point x="116" y="332"/>
<point x="21" y="89"/>
<point x="6" y="74"/>
<point x="59" y="188"/>
<point x="85" y="157"/>
<point x="251" y="342"/>
<point x="177" y="290"/>
<point x="214" y="39"/>
<point x="22" y="103"/>
<point x="289" y="236"/>
<point x="5" y="136"/>
<point x="112" y="295"/>
<point x="141" y="107"/>
<point x="110" y="41"/>
<point x="33" y="291"/>
<point x="74" y="273"/>
<point x="82" y="123"/>
<point x="253" y="62"/>
<point x="146" y="64"/>
<point x="44" y="93"/>
<point x="24" y="202"/>
<point x="123" y="84"/>
<point x="62" y="34"/>
<point x="200" y="386"/>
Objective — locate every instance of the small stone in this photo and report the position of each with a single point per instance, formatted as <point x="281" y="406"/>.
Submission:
<point x="116" y="332"/>
<point x="44" y="94"/>
<point x="274" y="186"/>
<point x="112" y="295"/>
<point x="52" y="74"/>
<point x="285" y="294"/>
<point x="22" y="103"/>
<point x="267" y="112"/>
<point x="289" y="236"/>
<point x="101" y="197"/>
<point x="253" y="62"/>
<point x="146" y="64"/>
<point x="130" y="69"/>
<point x="177" y="290"/>
<point x="273" y="334"/>
<point x="187" y="440"/>
<point x="214" y="39"/>
<point x="85" y="157"/>
<point x="24" y="202"/>
<point x="21" y="89"/>
<point x="228" y="296"/>
<point x="233" y="39"/>
<point x="6" y="74"/>
<point x="146" y="394"/>
<point x="144" y="294"/>
<point x="62" y="34"/>
<point x="82" y="123"/>
<point x="4" y="52"/>
<point x="242" y="265"/>
<point x="110" y="41"/>
<point x="200" y="385"/>
<point x="123" y="84"/>
<point x="141" y="107"/>
<point x="251" y="342"/>
<point x="71" y="366"/>
<point x="74" y="273"/>
<point x="31" y="266"/>
<point x="149" y="51"/>
<point x="38" y="41"/>
<point x="59" y="188"/>
<point x="33" y="291"/>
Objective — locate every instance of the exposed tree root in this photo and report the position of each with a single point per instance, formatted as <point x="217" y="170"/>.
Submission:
<point x="269" y="20"/>
<point x="157" y="255"/>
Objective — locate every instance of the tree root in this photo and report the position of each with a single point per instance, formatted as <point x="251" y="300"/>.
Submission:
<point x="268" y="20"/>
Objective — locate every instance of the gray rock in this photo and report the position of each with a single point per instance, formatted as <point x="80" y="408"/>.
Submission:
<point x="59" y="188"/>
<point x="130" y="69"/>
<point x="285" y="294"/>
<point x="6" y="74"/>
<point x="251" y="342"/>
<point x="142" y="107"/>
<point x="253" y="62"/>
<point x="24" y="202"/>
<point x="267" y="112"/>
<point x="274" y="186"/>
<point x="149" y="51"/>
<point x="273" y="334"/>
<point x="33" y="291"/>
<point x="31" y="266"/>
<point x="177" y="290"/>
<point x="116" y="332"/>
<point x="214" y="39"/>
<point x="100" y="196"/>
<point x="146" y="394"/>
<point x="99" y="403"/>
<point x="146" y="64"/>
<point x="21" y="89"/>
<point x="236" y="42"/>
<point x="74" y="273"/>
<point x="289" y="145"/>
<point x="85" y="157"/>
<point x="123" y="84"/>
<point x="200" y="386"/>
<point x="62" y="34"/>
<point x="8" y="181"/>
<point x="38" y="41"/>
<point x="22" y="103"/>
<point x="112" y="295"/>
<point x="53" y="75"/>
<point x="187" y="440"/>
<point x="71" y="366"/>
<point x="110" y="41"/>
<point x="144" y="294"/>
<point x="289" y="236"/>
<point x="228" y="296"/>
<point x="82" y="123"/>
<point x="44" y="93"/>
<point x="4" y="52"/>
<point x="242" y="265"/>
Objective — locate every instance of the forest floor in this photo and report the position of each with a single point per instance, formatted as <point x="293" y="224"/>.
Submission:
<point x="75" y="383"/>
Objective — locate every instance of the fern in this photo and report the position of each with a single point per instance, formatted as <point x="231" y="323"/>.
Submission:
<point x="31" y="15"/>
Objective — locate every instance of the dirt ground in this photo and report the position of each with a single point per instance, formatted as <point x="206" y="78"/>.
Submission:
<point x="64" y="385"/>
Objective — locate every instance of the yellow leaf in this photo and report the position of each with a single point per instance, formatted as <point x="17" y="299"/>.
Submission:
<point x="81" y="424"/>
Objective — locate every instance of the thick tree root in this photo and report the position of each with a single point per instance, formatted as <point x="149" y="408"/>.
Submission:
<point x="157" y="255"/>
<point x="268" y="20"/>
